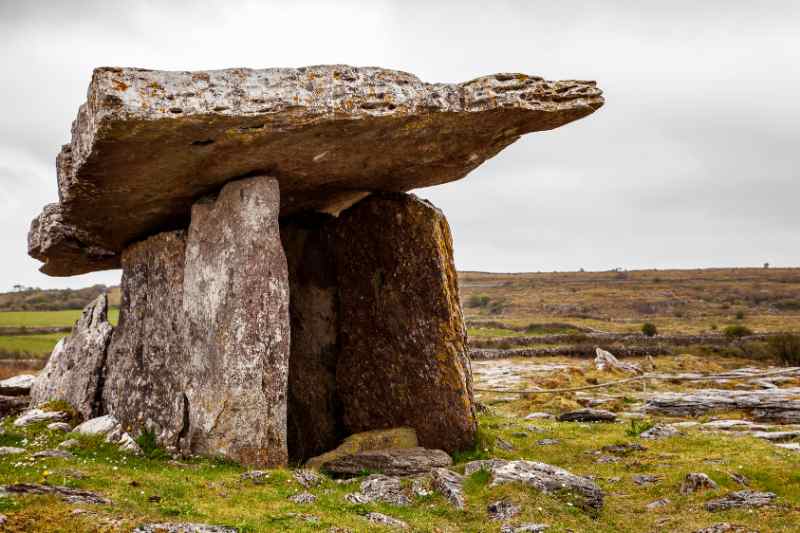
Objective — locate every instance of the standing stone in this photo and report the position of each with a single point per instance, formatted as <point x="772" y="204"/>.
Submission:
<point x="147" y="359"/>
<point x="314" y="414"/>
<point x="403" y="358"/>
<point x="74" y="371"/>
<point x="236" y="305"/>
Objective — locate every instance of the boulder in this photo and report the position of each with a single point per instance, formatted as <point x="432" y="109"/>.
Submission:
<point x="697" y="481"/>
<point x="17" y="385"/>
<point x="68" y="494"/>
<point x="543" y="477"/>
<point x="13" y="405"/>
<point x="148" y="362"/>
<point x="34" y="416"/>
<point x="605" y="361"/>
<point x="403" y="357"/>
<point x="380" y="488"/>
<point x="236" y="305"/>
<point x="378" y="439"/>
<point x="147" y="143"/>
<point x="75" y="368"/>
<point x="102" y="425"/>
<point x="746" y="499"/>
<point x="392" y="462"/>
<point x="313" y="412"/>
<point x="450" y="485"/>
<point x="588" y="415"/>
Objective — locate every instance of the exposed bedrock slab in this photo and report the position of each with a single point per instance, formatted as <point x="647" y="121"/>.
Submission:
<point x="403" y="358"/>
<point x="74" y="371"/>
<point x="314" y="414"/>
<point x="148" y="361"/>
<point x="146" y="144"/>
<point x="236" y="302"/>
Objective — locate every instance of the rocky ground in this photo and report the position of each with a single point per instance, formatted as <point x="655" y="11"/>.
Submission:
<point x="633" y="457"/>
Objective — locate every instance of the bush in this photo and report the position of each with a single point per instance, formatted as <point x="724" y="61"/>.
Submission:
<point x="638" y="427"/>
<point x="649" y="329"/>
<point x="739" y="315"/>
<point x="786" y="348"/>
<point x="737" y="331"/>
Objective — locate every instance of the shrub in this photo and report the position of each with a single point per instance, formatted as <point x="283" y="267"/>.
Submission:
<point x="786" y="348"/>
<point x="638" y="427"/>
<point x="478" y="300"/>
<point x="649" y="329"/>
<point x="714" y="327"/>
<point x="739" y="315"/>
<point x="737" y="331"/>
<point x="147" y="442"/>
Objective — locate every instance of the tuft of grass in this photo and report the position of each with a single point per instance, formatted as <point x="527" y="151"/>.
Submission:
<point x="737" y="330"/>
<point x="637" y="427"/>
<point x="150" y="449"/>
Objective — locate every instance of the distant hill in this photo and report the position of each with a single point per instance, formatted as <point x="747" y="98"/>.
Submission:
<point x="35" y="299"/>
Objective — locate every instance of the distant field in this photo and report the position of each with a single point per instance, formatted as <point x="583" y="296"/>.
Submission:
<point x="46" y="318"/>
<point x="29" y="345"/>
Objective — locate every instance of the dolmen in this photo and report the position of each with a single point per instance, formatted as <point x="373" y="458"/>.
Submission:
<point x="281" y="289"/>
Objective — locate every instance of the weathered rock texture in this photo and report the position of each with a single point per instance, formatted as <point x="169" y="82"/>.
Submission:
<point x="392" y="462"/>
<point x="74" y="371"/>
<point x="403" y="358"/>
<point x="147" y="364"/>
<point x="314" y="412"/>
<point x="369" y="440"/>
<point x="146" y="143"/>
<point x="236" y="302"/>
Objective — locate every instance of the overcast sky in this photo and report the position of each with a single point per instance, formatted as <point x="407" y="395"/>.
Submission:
<point x="693" y="162"/>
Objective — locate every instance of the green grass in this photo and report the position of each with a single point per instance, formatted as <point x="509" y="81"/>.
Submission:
<point x="29" y="345"/>
<point x="46" y="318"/>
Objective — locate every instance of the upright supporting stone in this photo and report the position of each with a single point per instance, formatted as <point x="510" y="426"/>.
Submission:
<point x="146" y="370"/>
<point x="74" y="370"/>
<point x="403" y="358"/>
<point x="236" y="302"/>
<point x="314" y="414"/>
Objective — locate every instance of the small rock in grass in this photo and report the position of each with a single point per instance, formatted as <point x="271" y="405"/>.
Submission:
<point x="155" y="498"/>
<point x="102" y="425"/>
<point x="256" y="476"/>
<point x="659" y="432"/>
<point x="535" y="429"/>
<point x="450" y="485"/>
<point x="548" y="442"/>
<point x="59" y="426"/>
<point x="303" y="498"/>
<point x="524" y="528"/>
<point x="381" y="488"/>
<point x="697" y="481"/>
<point x="62" y="454"/>
<point x="747" y="499"/>
<point x="69" y="444"/>
<point x="386" y="520"/>
<point x="67" y="494"/>
<point x="646" y="479"/>
<point x="33" y="416"/>
<point x="725" y="527"/>
<point x="588" y="415"/>
<point x="740" y="479"/>
<point x="794" y="446"/>
<point x="307" y="478"/>
<point x="623" y="449"/>
<point x="3" y="519"/>
<point x="663" y="502"/>
<point x="502" y="510"/>
<point x="607" y="459"/>
<point x="11" y="450"/>
<point x="503" y="444"/>
<point x="128" y="445"/>
<point x="519" y="435"/>
<point x="539" y="416"/>
<point x="183" y="528"/>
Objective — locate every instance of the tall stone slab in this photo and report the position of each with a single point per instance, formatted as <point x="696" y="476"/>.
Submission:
<point x="403" y="358"/>
<point x="74" y="371"/>
<point x="147" y="364"/>
<point x="236" y="305"/>
<point x="314" y="414"/>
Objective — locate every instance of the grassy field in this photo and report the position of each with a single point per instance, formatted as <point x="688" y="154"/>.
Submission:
<point x="29" y="345"/>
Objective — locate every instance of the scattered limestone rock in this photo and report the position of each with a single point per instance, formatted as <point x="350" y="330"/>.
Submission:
<point x="11" y="450"/>
<point x="541" y="476"/>
<point x="697" y="481"/>
<point x="503" y="444"/>
<point x="740" y="479"/>
<point x="74" y="370"/>
<point x="183" y="528"/>
<point x="747" y="499"/>
<point x="307" y="478"/>
<point x="385" y="520"/>
<point x="539" y="416"/>
<point x="378" y="487"/>
<point x="17" y="385"/>
<point x="106" y="425"/>
<point x="379" y="439"/>
<point x="303" y="498"/>
<point x="502" y="510"/>
<point x="657" y="504"/>
<point x="548" y="442"/>
<point x="33" y="416"/>
<point x="67" y="494"/>
<point x="450" y="485"/>
<point x="775" y="436"/>
<point x="258" y="477"/>
<point x="68" y="444"/>
<point x="46" y="454"/>
<point x="659" y="431"/>
<point x="59" y="426"/>
<point x="623" y="449"/>
<point x="128" y="445"/>
<point x="725" y="527"/>
<point x="588" y="415"/>
<point x="606" y="362"/>
<point x="13" y="405"/>
<point x="524" y="528"/>
<point x="646" y="479"/>
<point x="794" y="446"/>
<point x="392" y="462"/>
